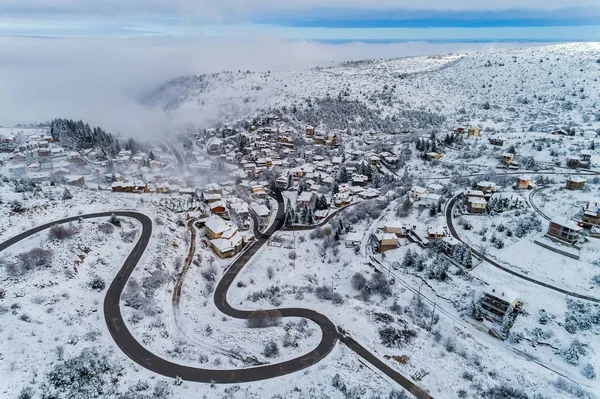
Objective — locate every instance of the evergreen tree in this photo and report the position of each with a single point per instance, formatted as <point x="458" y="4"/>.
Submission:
<point x="66" y="195"/>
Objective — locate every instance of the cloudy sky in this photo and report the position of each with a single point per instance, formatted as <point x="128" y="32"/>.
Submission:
<point x="92" y="59"/>
<point x="323" y="20"/>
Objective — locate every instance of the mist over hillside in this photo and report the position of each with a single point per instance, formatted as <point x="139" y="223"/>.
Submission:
<point x="515" y="89"/>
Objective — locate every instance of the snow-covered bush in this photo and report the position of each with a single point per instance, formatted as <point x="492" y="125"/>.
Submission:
<point x="87" y="375"/>
<point x="97" y="283"/>
<point x="106" y="228"/>
<point x="396" y="338"/>
<point x="17" y="206"/>
<point x="61" y="232"/>
<point x="581" y="316"/>
<point x="153" y="281"/>
<point x="359" y="281"/>
<point x="262" y="318"/>
<point x="503" y="392"/>
<point x="588" y="371"/>
<point x="209" y="273"/>
<point x="574" y="352"/>
<point x="571" y="388"/>
<point x="67" y="195"/>
<point x="35" y="259"/>
<point x="128" y="236"/>
<point x="115" y="220"/>
<point x="271" y="349"/>
<point x="326" y="293"/>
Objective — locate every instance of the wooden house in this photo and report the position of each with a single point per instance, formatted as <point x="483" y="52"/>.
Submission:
<point x="563" y="230"/>
<point x="433" y="156"/>
<point x="476" y="205"/>
<point x="591" y="216"/>
<point x="435" y="232"/>
<point x="573" y="162"/>
<point x="386" y="242"/>
<point x="523" y="182"/>
<point x="474" y="132"/>
<point x="497" y="302"/>
<point x="498" y="141"/>
<point x="507" y="158"/>
<point x="575" y="183"/>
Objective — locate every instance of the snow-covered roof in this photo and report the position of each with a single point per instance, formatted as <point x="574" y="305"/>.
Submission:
<point x="436" y="230"/>
<point x="477" y="200"/>
<point x="218" y="225"/>
<point x="450" y="240"/>
<point x="217" y="204"/>
<point x="386" y="236"/>
<point x="577" y="179"/>
<point x="418" y="190"/>
<point x="261" y="210"/>
<point x="306" y="196"/>
<point x="355" y="236"/>
<point x="568" y="223"/>
<point x="502" y="293"/>
<point x="525" y="177"/>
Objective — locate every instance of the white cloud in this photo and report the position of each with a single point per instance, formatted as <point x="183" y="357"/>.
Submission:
<point x="99" y="80"/>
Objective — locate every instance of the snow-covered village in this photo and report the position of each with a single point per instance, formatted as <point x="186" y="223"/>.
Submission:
<point x="421" y="227"/>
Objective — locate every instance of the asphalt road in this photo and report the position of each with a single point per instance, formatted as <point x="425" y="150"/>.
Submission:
<point x="492" y="262"/>
<point x="142" y="356"/>
<point x="176" y="154"/>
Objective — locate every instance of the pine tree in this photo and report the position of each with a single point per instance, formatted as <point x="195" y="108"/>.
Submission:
<point x="67" y="195"/>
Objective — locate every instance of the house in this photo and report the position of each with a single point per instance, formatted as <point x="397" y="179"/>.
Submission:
<point x="19" y="156"/>
<point x="499" y="141"/>
<point x="416" y="192"/>
<point x="585" y="158"/>
<point x="459" y="130"/>
<point x="258" y="190"/>
<point x="305" y="198"/>
<point x="321" y="214"/>
<point x="563" y="230"/>
<point x="282" y="182"/>
<point x="575" y="183"/>
<point x="386" y="242"/>
<point x="215" y="146"/>
<point x="487" y="187"/>
<point x="370" y="193"/>
<point x="474" y="132"/>
<point x="216" y="227"/>
<point x="218" y="208"/>
<point x="507" y="158"/>
<point x="262" y="214"/>
<point x="44" y="152"/>
<point x="560" y="132"/>
<point x="213" y="188"/>
<point x="122" y="187"/>
<point x="573" y="162"/>
<point x="496" y="302"/>
<point x="433" y="156"/>
<point x="395" y="227"/>
<point x="163" y="188"/>
<point x="77" y="181"/>
<point x="229" y="246"/>
<point x="342" y="199"/>
<point x="34" y="167"/>
<point x="524" y="182"/>
<point x="476" y="205"/>
<point x="591" y="217"/>
<point x="449" y="245"/>
<point x="354" y="238"/>
<point x="209" y="198"/>
<point x="435" y="232"/>
<point x="140" y="187"/>
<point x="474" y="194"/>
<point x="310" y="131"/>
<point x="360" y="180"/>
<point x="374" y="160"/>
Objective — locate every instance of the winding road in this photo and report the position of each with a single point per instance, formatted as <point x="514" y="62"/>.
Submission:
<point x="142" y="356"/>
<point x="449" y="221"/>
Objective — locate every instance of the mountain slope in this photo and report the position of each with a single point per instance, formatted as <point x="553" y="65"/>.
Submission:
<point x="544" y="86"/>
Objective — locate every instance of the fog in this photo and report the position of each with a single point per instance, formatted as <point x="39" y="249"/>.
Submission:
<point x="100" y="80"/>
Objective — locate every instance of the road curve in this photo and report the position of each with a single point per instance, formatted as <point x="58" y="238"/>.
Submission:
<point x="142" y="356"/>
<point x="492" y="262"/>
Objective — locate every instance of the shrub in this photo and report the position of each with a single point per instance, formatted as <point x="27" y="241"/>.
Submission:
<point x="17" y="206"/>
<point x="270" y="272"/>
<point x="393" y="337"/>
<point x="338" y="382"/>
<point x="359" y="281"/>
<point x="37" y="258"/>
<point x="262" y="318"/>
<point x="128" y="236"/>
<point x="573" y="353"/>
<point x="66" y="195"/>
<point x="325" y="293"/>
<point x="292" y="255"/>
<point x="115" y="220"/>
<point x="26" y="393"/>
<point x="571" y="388"/>
<point x="106" y="228"/>
<point x="61" y="232"/>
<point x="271" y="349"/>
<point x="450" y="344"/>
<point x="503" y="392"/>
<point x="380" y="285"/>
<point x="210" y="273"/>
<point x="97" y="284"/>
<point x="588" y="372"/>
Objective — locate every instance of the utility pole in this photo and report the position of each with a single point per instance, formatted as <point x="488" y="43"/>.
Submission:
<point x="432" y="314"/>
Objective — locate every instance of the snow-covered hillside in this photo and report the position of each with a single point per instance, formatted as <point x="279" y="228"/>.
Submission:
<point x="544" y="86"/>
